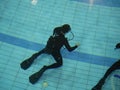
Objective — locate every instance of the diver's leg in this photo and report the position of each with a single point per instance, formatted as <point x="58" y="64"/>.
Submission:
<point x="59" y="61"/>
<point x="114" y="67"/>
<point x="36" y="76"/>
<point x="27" y="63"/>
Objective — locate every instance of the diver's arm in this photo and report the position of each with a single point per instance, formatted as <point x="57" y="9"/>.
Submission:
<point x="69" y="48"/>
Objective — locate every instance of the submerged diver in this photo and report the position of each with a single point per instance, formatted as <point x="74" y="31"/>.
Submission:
<point x="114" y="67"/>
<point x="117" y="46"/>
<point x="101" y="82"/>
<point x="54" y="44"/>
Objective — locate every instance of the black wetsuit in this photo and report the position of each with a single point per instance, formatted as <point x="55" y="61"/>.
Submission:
<point x="53" y="46"/>
<point x="114" y="67"/>
<point x="60" y="41"/>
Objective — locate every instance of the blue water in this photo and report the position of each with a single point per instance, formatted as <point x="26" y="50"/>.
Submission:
<point x="25" y="28"/>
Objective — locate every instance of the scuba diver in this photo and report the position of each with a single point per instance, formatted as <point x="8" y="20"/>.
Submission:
<point x="117" y="46"/>
<point x="114" y="67"/>
<point x="53" y="46"/>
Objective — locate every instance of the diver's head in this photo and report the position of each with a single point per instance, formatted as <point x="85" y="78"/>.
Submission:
<point x="66" y="28"/>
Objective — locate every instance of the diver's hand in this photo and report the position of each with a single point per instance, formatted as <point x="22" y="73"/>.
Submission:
<point x="77" y="44"/>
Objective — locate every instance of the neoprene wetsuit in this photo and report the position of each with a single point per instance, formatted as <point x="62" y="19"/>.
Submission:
<point x="59" y="42"/>
<point x="101" y="82"/>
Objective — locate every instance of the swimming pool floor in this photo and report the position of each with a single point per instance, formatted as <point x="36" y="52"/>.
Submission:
<point x="25" y="28"/>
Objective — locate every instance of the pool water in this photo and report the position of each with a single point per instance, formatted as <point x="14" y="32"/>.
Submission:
<point x="25" y="26"/>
